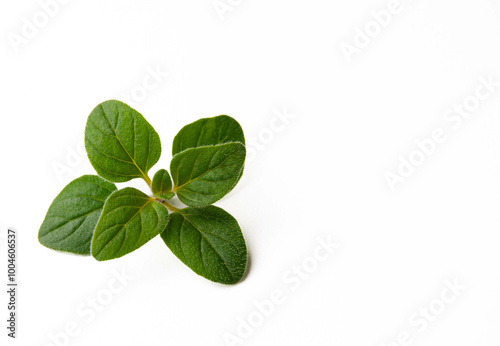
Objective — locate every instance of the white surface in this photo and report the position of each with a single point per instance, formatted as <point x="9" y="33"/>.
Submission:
<point x="321" y="176"/>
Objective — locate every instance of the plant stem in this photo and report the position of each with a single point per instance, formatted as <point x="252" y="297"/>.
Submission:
<point x="168" y="205"/>
<point x="147" y="179"/>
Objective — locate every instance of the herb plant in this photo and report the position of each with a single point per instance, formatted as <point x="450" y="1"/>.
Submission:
<point x="91" y="216"/>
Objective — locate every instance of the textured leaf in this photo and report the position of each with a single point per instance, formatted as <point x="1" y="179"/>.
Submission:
<point x="72" y="216"/>
<point x="208" y="131"/>
<point x="162" y="185"/>
<point x="204" y="175"/>
<point x="129" y="220"/>
<point x="209" y="241"/>
<point x="120" y="143"/>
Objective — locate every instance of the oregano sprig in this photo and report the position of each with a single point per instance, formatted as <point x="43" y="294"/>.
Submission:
<point x="92" y="217"/>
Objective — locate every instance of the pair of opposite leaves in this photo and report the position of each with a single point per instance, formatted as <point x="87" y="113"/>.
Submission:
<point x="90" y="216"/>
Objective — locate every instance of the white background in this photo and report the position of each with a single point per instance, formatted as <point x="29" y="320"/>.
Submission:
<point x="321" y="174"/>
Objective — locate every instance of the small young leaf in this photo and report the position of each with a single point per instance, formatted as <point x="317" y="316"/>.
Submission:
<point x="208" y="131"/>
<point x="72" y="216"/>
<point x="129" y="220"/>
<point x="162" y="185"/>
<point x="209" y="241"/>
<point x="204" y="175"/>
<point x="120" y="143"/>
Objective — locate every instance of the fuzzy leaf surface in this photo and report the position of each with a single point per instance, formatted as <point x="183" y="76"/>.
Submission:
<point x="208" y="131"/>
<point x="73" y="215"/>
<point x="204" y="175"/>
<point x="162" y="185"/>
<point x="209" y="241"/>
<point x="120" y="143"/>
<point x="129" y="220"/>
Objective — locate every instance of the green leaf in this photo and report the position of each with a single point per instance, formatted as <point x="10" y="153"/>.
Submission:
<point x="162" y="185"/>
<point x="120" y="143"/>
<point x="129" y="220"/>
<point x="204" y="175"/>
<point x="72" y="216"/>
<point x="208" y="131"/>
<point x="209" y="241"/>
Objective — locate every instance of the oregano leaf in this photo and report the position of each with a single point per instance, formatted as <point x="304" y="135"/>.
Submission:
<point x="204" y="175"/>
<point x="209" y="241"/>
<point x="120" y="143"/>
<point x="162" y="185"/>
<point x="73" y="215"/>
<point x="129" y="220"/>
<point x="208" y="131"/>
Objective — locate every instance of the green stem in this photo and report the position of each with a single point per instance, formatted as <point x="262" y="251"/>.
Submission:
<point x="168" y="205"/>
<point x="147" y="179"/>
